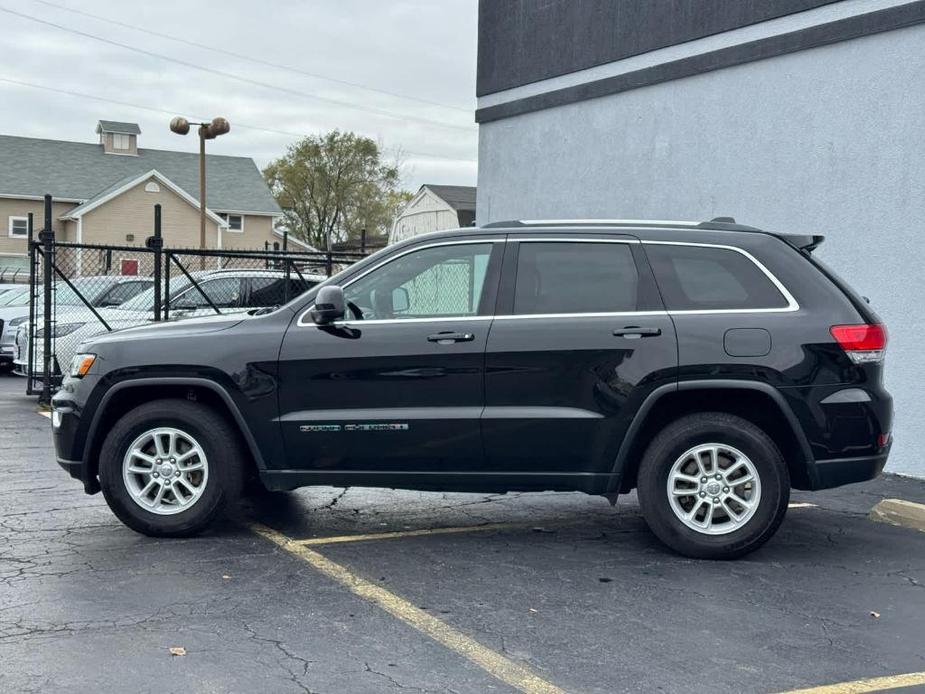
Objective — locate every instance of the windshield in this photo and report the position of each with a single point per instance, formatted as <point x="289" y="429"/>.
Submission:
<point x="15" y="297"/>
<point x="91" y="288"/>
<point x="145" y="300"/>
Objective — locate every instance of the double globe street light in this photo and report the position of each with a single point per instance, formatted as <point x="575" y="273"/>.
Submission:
<point x="207" y="131"/>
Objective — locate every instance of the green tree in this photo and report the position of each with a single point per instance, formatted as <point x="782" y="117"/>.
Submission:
<point x="332" y="186"/>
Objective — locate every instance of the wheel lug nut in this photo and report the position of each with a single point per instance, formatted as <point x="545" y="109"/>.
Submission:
<point x="718" y="476"/>
<point x="725" y="490"/>
<point x="178" y="474"/>
<point x="703" y="479"/>
<point x="716" y="500"/>
<point x="702" y="494"/>
<point x="156" y="475"/>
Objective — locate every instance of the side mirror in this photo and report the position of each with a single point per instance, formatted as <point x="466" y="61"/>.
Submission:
<point x="330" y="305"/>
<point x="401" y="302"/>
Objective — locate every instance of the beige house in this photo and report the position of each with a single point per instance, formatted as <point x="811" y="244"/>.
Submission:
<point x="105" y="193"/>
<point x="434" y="208"/>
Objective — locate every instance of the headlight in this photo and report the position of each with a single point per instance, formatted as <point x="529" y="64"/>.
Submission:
<point x="18" y="321"/>
<point x="81" y="364"/>
<point x="60" y="329"/>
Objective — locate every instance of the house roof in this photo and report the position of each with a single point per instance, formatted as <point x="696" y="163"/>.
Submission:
<point x="31" y="167"/>
<point x="457" y="197"/>
<point x="125" y="184"/>
<point x="114" y="126"/>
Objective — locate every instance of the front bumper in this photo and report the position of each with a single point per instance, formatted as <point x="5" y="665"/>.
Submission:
<point x="73" y="467"/>
<point x="69" y="431"/>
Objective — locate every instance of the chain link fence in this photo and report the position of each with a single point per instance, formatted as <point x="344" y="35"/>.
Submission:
<point x="81" y="290"/>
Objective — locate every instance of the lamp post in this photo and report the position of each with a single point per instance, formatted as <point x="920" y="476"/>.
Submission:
<point x="207" y="131"/>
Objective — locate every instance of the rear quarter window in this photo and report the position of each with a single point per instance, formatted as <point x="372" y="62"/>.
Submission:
<point x="693" y="278"/>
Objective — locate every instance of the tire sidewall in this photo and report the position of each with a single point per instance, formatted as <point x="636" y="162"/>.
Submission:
<point x="126" y="431"/>
<point x="654" y="497"/>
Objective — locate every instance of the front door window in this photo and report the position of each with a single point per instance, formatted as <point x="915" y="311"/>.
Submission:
<point x="436" y="282"/>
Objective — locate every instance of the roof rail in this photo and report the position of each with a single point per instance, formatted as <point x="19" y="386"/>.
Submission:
<point x="587" y="222"/>
<point x="803" y="242"/>
<point x="726" y="224"/>
<point x="719" y="223"/>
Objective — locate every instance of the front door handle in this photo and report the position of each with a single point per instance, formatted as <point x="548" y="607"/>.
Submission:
<point x="634" y="332"/>
<point x="448" y="338"/>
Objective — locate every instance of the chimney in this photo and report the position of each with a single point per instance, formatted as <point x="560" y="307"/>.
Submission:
<point x="119" y="138"/>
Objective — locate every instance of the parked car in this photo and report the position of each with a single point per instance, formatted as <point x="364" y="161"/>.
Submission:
<point x="99" y="291"/>
<point x="212" y="292"/>
<point x="710" y="366"/>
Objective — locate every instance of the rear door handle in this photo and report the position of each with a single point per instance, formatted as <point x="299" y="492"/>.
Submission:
<point x="448" y="338"/>
<point x="634" y="332"/>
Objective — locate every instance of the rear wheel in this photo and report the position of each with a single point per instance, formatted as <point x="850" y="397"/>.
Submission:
<point x="170" y="467"/>
<point x="713" y="486"/>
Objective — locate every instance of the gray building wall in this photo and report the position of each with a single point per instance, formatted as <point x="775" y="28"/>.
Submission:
<point x="829" y="140"/>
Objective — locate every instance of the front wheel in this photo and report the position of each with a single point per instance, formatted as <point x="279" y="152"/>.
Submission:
<point x="713" y="486"/>
<point x="170" y="467"/>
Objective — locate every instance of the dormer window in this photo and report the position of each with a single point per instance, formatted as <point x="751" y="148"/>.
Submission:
<point x="117" y="137"/>
<point x="121" y="141"/>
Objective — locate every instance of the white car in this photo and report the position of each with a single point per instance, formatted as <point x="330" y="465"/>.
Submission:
<point x="218" y="291"/>
<point x="102" y="290"/>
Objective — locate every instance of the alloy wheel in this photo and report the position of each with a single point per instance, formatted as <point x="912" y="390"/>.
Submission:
<point x="165" y="471"/>
<point x="714" y="489"/>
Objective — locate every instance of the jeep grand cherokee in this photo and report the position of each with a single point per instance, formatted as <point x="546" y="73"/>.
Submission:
<point x="710" y="366"/>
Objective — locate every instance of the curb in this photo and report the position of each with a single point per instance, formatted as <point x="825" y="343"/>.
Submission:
<point x="899" y="512"/>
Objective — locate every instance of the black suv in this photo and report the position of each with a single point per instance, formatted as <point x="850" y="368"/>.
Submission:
<point x="710" y="366"/>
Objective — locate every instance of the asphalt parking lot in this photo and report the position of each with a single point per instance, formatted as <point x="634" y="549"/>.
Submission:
<point x="331" y="590"/>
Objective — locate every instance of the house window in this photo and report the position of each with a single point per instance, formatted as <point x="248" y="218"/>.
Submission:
<point x="235" y="221"/>
<point x="120" y="141"/>
<point x="19" y="227"/>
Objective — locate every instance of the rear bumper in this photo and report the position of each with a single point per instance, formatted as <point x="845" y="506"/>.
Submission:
<point x="839" y="471"/>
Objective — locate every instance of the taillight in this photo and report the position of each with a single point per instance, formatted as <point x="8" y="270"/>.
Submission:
<point x="862" y="343"/>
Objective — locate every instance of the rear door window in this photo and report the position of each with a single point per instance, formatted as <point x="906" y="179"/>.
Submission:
<point x="575" y="277"/>
<point x="693" y="278"/>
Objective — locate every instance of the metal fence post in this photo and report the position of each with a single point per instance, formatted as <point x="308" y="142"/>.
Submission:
<point x="156" y="244"/>
<point x="288" y="268"/>
<point x="33" y="264"/>
<point x="47" y="239"/>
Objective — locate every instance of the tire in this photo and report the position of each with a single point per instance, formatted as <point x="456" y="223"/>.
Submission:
<point x="686" y="447"/>
<point x="207" y="482"/>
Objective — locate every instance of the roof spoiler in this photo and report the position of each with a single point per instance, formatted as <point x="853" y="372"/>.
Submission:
<point x="807" y="243"/>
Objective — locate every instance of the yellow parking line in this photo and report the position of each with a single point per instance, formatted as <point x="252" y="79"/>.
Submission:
<point x="493" y="663"/>
<point x="411" y="533"/>
<point x="801" y="504"/>
<point x="874" y="684"/>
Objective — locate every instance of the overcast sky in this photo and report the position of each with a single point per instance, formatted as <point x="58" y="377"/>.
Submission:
<point x="424" y="49"/>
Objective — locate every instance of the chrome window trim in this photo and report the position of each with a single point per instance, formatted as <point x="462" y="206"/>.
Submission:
<point x="792" y="304"/>
<point x="302" y="322"/>
<point x="608" y="314"/>
<point x="354" y="323"/>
